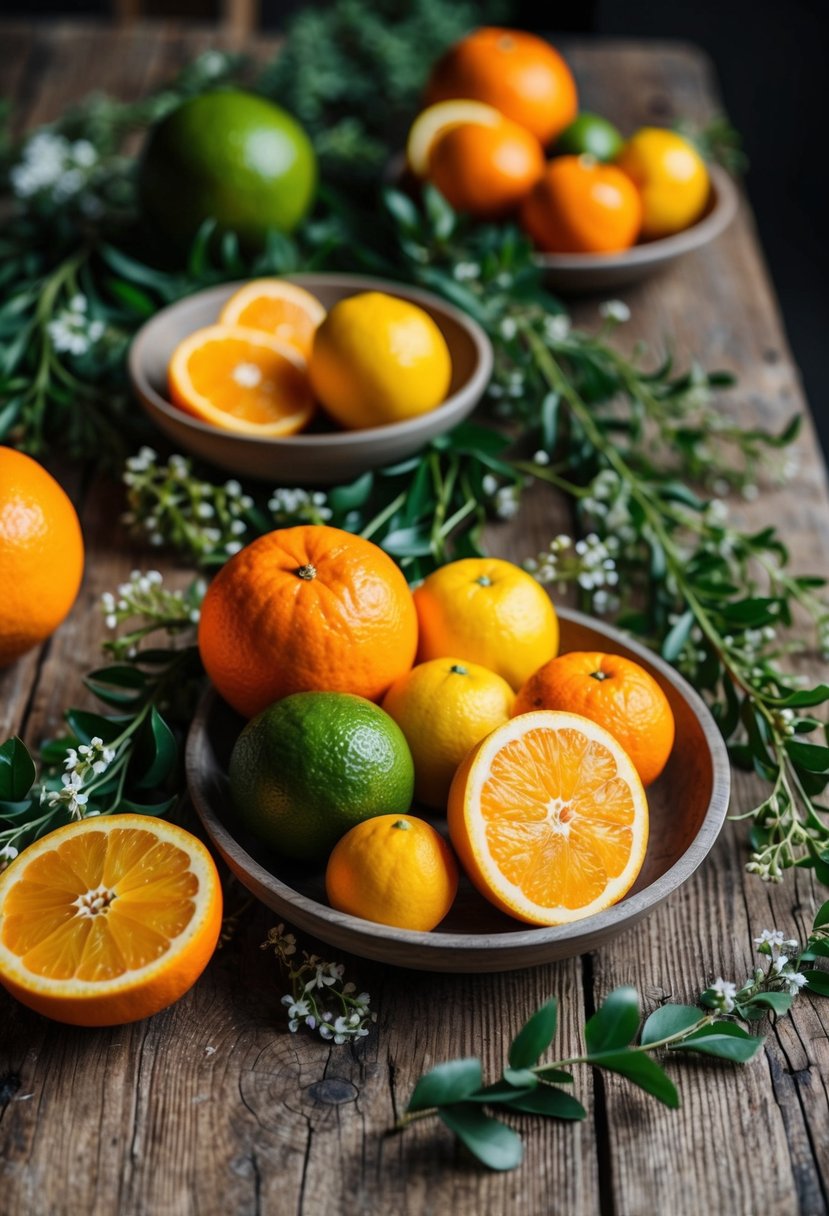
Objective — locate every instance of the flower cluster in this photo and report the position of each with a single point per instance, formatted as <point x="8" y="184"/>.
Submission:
<point x="149" y="606"/>
<point x="54" y="166"/>
<point x="7" y="855"/>
<point x="781" y="976"/>
<point x="73" y="331"/>
<point x="318" y="998"/>
<point x="293" y="505"/>
<point x="83" y="765"/>
<point x="590" y="563"/>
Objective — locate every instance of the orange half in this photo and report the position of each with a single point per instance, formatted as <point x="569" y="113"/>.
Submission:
<point x="549" y="818"/>
<point x="241" y="380"/>
<point x="108" y="920"/>
<point x="287" y="312"/>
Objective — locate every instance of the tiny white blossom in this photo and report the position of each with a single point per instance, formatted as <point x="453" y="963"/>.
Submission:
<point x="725" y="991"/>
<point x="614" y="310"/>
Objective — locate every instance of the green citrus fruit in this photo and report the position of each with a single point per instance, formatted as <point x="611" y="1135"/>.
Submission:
<point x="232" y="157"/>
<point x="315" y="764"/>
<point x="590" y="135"/>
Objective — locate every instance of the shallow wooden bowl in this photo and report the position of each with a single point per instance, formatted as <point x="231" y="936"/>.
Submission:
<point x="687" y="808"/>
<point x="578" y="273"/>
<point x="316" y="458"/>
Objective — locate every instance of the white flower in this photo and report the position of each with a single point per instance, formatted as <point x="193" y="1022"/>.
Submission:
<point x="772" y="941"/>
<point x="614" y="310"/>
<point x="541" y="457"/>
<point x="557" y="328"/>
<point x="466" y="270"/>
<point x="796" y="980"/>
<point x="8" y="852"/>
<point x="725" y="992"/>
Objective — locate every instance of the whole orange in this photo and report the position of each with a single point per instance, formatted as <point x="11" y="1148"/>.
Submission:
<point x="670" y="176"/>
<point x="394" y="870"/>
<point x="41" y="554"/>
<point x="616" y="693"/>
<point x="518" y="73"/>
<point x="306" y="609"/>
<point x="582" y="206"/>
<point x="485" y="171"/>
<point x="487" y="611"/>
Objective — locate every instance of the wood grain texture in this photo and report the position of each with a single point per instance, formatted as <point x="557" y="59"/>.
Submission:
<point x="211" y="1107"/>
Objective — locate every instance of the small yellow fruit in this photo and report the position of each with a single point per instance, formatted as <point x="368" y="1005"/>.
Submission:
<point x="671" y="178"/>
<point x="377" y="359"/>
<point x="444" y="708"/>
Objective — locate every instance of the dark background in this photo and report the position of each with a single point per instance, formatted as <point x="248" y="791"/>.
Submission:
<point x="772" y="61"/>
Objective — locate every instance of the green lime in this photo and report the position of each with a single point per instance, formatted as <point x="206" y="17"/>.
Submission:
<point x="592" y="135"/>
<point x="315" y="764"/>
<point x="232" y="157"/>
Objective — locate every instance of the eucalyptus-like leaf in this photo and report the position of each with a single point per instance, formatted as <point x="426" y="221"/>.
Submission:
<point x="818" y="981"/>
<point x="642" y="1070"/>
<point x="777" y="1002"/>
<point x="155" y="753"/>
<point x="450" y="1082"/>
<point x="492" y="1142"/>
<point x="521" y="1078"/>
<point x="547" y="1100"/>
<point x="534" y="1037"/>
<point x="669" y="1020"/>
<point x="17" y="770"/>
<point x="500" y="1092"/>
<point x="821" y="916"/>
<point x="675" y="640"/>
<point x="615" y="1022"/>
<point x="726" y="1040"/>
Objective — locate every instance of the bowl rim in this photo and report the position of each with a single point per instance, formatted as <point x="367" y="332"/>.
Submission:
<point x="711" y="225"/>
<point x="475" y="384"/>
<point x="612" y="919"/>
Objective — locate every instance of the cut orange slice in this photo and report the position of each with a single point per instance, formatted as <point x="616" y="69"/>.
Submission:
<point x="287" y="312"/>
<point x="108" y="920"/>
<point x="241" y="380"/>
<point x="549" y="818"/>
<point x="436" y="120"/>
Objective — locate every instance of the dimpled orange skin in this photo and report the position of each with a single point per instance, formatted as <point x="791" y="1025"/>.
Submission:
<point x="582" y="206"/>
<point x="516" y="72"/>
<point x="485" y="171"/>
<point x="393" y="870"/>
<point x="41" y="554"/>
<point x="613" y="691"/>
<point x="306" y="609"/>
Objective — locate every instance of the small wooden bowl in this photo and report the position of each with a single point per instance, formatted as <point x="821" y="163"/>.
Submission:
<point x="687" y="808"/>
<point x="324" y="458"/>
<point x="580" y="273"/>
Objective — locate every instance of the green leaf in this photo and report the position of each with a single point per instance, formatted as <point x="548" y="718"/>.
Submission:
<point x="546" y="1100"/>
<point x="818" y="981"/>
<point x="17" y="770"/>
<point x="810" y="756"/>
<point x="87" y="725"/>
<point x="449" y="1082"/>
<point x="492" y="1142"/>
<point x="403" y="210"/>
<point x="817" y="948"/>
<point x="499" y="1092"/>
<point x="534" y="1037"/>
<point x="614" y="1023"/>
<point x="677" y="637"/>
<point x="751" y="612"/>
<point x="642" y="1071"/>
<point x="155" y="754"/>
<point x="407" y="542"/>
<point x="807" y="696"/>
<point x="127" y="807"/>
<point x="521" y="1078"/>
<point x="549" y="421"/>
<point x="822" y="916"/>
<point x="668" y="1020"/>
<point x="778" y="1002"/>
<point x="551" y="1073"/>
<point x="725" y="1040"/>
<point x="441" y="215"/>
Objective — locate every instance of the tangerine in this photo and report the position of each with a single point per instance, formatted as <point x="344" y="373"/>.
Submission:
<point x="581" y="206"/>
<point x="485" y="170"/>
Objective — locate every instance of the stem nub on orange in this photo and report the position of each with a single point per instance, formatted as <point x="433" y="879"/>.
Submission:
<point x="306" y="609"/>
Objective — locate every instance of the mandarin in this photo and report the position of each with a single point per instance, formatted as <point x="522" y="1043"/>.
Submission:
<point x="581" y="206"/>
<point x="485" y="170"/>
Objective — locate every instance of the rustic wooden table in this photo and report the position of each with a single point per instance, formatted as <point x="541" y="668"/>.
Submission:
<point x="212" y="1107"/>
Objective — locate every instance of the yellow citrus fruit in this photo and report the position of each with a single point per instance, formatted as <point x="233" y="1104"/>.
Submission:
<point x="670" y="176"/>
<point x="379" y="359"/>
<point x="41" y="554"/>
<point x="241" y="380"/>
<point x="108" y="920"/>
<point x="394" y="870"/>
<point x="488" y="611"/>
<point x="444" y="707"/>
<point x="549" y="818"/>
<point x="432" y="122"/>
<point x="286" y="312"/>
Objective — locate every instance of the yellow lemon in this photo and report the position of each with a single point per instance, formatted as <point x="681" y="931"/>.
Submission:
<point x="670" y="176"/>
<point x="377" y="359"/>
<point x="444" y="708"/>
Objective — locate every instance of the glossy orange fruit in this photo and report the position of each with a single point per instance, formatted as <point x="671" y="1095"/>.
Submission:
<point x="436" y="120"/>
<point x="549" y="818"/>
<point x="306" y="609"/>
<point x="41" y="554"/>
<point x="108" y="920"/>
<point x="582" y="206"/>
<point x="613" y="691"/>
<point x="394" y="870"/>
<point x="483" y="170"/>
<point x="241" y="380"/>
<point x="671" y="178"/>
<point x="285" y="311"/>
<point x="517" y="73"/>
<point x="488" y="611"/>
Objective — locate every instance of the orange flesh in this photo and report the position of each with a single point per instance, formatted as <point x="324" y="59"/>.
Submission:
<point x="286" y="321"/>
<point x="100" y="905"/>
<point x="226" y="371"/>
<point x="558" y="818"/>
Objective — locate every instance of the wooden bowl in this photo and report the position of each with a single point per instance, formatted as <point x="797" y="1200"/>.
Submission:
<point x="325" y="458"/>
<point x="687" y="808"/>
<point x="580" y="273"/>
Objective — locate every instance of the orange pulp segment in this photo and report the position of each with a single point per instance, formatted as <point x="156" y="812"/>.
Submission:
<point x="108" y="920"/>
<point x="287" y="312"/>
<point x="241" y="380"/>
<point x="549" y="818"/>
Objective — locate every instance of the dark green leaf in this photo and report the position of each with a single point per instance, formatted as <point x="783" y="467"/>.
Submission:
<point x="807" y="696"/>
<point x="614" y="1023"/>
<point x="155" y="753"/>
<point x="818" y="948"/>
<point x="17" y="770"/>
<point x="822" y="916"/>
<point x="752" y="612"/>
<point x="810" y="756"/>
<point x="818" y="981"/>
<point x="499" y="1092"/>
<point x="401" y="207"/>
<point x="677" y="637"/>
<point x="549" y="421"/>
<point x="449" y="1082"/>
<point x="642" y="1071"/>
<point x="725" y="1040"/>
<point x="88" y="725"/>
<point x="127" y="807"/>
<point x="668" y="1020"/>
<point x="521" y="1078"/>
<point x="546" y="1100"/>
<point x="534" y="1037"/>
<point x="778" y="1002"/>
<point x="441" y="216"/>
<point x="407" y="542"/>
<point x="492" y="1142"/>
<point x="551" y="1073"/>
